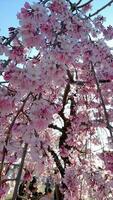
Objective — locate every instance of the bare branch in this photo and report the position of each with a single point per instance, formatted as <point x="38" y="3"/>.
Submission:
<point x="6" y="63"/>
<point x="85" y="4"/>
<point x="78" y="2"/>
<point x="57" y="161"/>
<point x="44" y="1"/>
<point x="55" y="127"/>
<point x="64" y="101"/>
<point x="8" y="180"/>
<point x="80" y="151"/>
<point x="20" y="172"/>
<point x="3" y="82"/>
<point x="102" y="8"/>
<point x="102" y="100"/>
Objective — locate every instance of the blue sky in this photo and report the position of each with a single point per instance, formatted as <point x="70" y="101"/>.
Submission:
<point x="9" y="9"/>
<point x="8" y="12"/>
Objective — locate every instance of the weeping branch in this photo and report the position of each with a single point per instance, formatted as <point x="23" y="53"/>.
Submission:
<point x="102" y="100"/>
<point x="2" y="162"/>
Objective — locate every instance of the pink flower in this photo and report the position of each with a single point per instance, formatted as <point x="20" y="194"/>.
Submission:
<point x="107" y="157"/>
<point x="27" y="5"/>
<point x="64" y="152"/>
<point x="58" y="6"/>
<point x="27" y="176"/>
<point x="87" y="7"/>
<point x="2" y="192"/>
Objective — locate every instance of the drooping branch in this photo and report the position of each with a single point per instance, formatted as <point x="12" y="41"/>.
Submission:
<point x="102" y="100"/>
<point x="4" y="151"/>
<point x="15" y="117"/>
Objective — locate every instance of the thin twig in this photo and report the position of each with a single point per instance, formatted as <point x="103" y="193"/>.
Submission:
<point x="3" y="82"/>
<point x="8" y="180"/>
<point x="100" y="9"/>
<point x="78" y="2"/>
<point x="102" y="100"/>
<point x="85" y="4"/>
<point x="14" y="119"/>
<point x="6" y="63"/>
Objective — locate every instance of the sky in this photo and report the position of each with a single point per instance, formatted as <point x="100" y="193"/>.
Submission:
<point x="9" y="9"/>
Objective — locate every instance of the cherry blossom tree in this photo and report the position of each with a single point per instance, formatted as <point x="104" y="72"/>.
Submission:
<point x="56" y="99"/>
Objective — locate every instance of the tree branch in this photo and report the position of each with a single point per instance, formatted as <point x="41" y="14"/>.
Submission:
<point x="102" y="8"/>
<point x="8" y="180"/>
<point x="10" y="39"/>
<point x="80" y="1"/>
<point x="8" y="133"/>
<point x="55" y="127"/>
<point x="3" y="82"/>
<point x="81" y="83"/>
<point x="85" y="4"/>
<point x="102" y="100"/>
<point x="64" y="101"/>
<point x="57" y="161"/>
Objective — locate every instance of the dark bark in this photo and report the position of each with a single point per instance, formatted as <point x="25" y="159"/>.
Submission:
<point x="57" y="194"/>
<point x="20" y="172"/>
<point x="57" y="161"/>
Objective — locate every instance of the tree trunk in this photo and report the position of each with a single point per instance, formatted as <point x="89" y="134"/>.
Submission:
<point x="18" y="178"/>
<point x="58" y="194"/>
